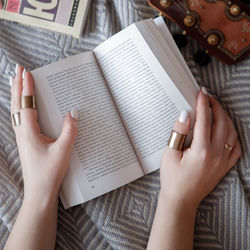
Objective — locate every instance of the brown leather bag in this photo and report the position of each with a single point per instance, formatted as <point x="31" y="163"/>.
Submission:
<point x="221" y="27"/>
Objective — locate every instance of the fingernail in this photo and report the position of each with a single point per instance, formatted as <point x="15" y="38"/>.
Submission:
<point x="74" y="114"/>
<point x="24" y="71"/>
<point x="204" y="90"/>
<point x="11" y="80"/>
<point x="16" y="69"/>
<point x="183" y="116"/>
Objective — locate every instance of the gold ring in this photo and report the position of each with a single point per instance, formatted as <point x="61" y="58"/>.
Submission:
<point x="16" y="118"/>
<point x="28" y="102"/>
<point x="176" y="140"/>
<point x="228" y="147"/>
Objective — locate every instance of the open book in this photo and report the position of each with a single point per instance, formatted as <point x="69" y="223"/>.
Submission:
<point x="128" y="92"/>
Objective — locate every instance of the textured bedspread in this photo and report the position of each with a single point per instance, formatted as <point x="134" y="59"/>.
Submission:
<point x="122" y="219"/>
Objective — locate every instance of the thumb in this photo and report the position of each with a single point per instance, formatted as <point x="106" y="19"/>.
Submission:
<point x="69" y="132"/>
<point x="182" y="126"/>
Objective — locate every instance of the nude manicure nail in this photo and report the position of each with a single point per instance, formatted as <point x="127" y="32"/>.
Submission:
<point x="183" y="116"/>
<point x="204" y="90"/>
<point x="74" y="114"/>
<point x="11" y="80"/>
<point x="16" y="68"/>
<point x="24" y="71"/>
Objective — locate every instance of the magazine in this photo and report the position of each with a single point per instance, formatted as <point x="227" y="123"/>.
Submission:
<point x="64" y="16"/>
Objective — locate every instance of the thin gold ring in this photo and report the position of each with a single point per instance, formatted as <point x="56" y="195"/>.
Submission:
<point x="228" y="147"/>
<point x="28" y="102"/>
<point x="16" y="118"/>
<point x="176" y="140"/>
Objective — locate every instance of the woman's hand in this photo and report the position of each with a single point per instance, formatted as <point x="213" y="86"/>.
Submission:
<point x="187" y="177"/>
<point x="44" y="160"/>
<point x="44" y="164"/>
<point x="191" y="175"/>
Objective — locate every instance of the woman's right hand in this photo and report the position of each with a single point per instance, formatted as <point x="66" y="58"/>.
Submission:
<point x="191" y="175"/>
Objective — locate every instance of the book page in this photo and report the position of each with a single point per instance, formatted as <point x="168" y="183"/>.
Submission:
<point x="146" y="97"/>
<point x="169" y="56"/>
<point x="176" y="56"/>
<point x="103" y="158"/>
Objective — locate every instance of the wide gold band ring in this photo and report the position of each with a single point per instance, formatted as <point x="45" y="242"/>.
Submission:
<point x="16" y="119"/>
<point x="228" y="147"/>
<point x="176" y="140"/>
<point x="28" y="102"/>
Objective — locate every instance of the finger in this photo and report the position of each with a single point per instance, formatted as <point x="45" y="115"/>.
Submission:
<point x="232" y="137"/>
<point x="16" y="89"/>
<point x="202" y="127"/>
<point x="68" y="134"/>
<point x="16" y="92"/>
<point x="19" y="72"/>
<point x="219" y="126"/>
<point x="235" y="155"/>
<point x="182" y="126"/>
<point x="29" y="115"/>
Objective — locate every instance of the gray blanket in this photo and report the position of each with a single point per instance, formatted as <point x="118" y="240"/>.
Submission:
<point x="122" y="219"/>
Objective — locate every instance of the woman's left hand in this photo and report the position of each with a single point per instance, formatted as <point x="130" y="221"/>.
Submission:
<point x="44" y="160"/>
<point x="44" y="164"/>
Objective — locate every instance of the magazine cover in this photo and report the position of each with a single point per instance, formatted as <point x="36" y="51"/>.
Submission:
<point x="65" y="16"/>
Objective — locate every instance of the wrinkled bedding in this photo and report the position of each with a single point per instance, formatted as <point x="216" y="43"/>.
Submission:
<point x="122" y="219"/>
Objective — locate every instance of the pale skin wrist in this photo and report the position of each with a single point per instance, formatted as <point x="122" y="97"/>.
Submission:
<point x="34" y="191"/>
<point x="40" y="202"/>
<point x="176" y="205"/>
<point x="35" y="227"/>
<point x="174" y="220"/>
